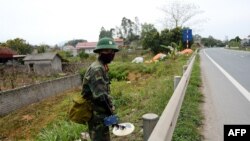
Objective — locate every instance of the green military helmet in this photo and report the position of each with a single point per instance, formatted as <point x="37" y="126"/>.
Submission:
<point x="106" y="43"/>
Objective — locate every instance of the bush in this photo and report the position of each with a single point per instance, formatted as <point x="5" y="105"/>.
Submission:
<point x="120" y="71"/>
<point x="82" y="72"/>
<point x="83" y="55"/>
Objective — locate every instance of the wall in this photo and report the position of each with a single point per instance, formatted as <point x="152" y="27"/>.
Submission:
<point x="13" y="99"/>
<point x="45" y="67"/>
<point x="56" y="65"/>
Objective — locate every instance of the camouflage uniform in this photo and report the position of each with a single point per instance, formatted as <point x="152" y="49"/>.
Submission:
<point x="96" y="88"/>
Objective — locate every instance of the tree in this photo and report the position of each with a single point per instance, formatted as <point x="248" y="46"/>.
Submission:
<point x="165" y="37"/>
<point x="118" y="32"/>
<point x="176" y="35"/>
<point x="137" y="26"/>
<point x="237" y="39"/>
<point x="19" y="45"/>
<point x="3" y="44"/>
<point x="151" y="38"/>
<point x="197" y="38"/>
<point x="146" y="28"/>
<point x="152" y="41"/>
<point x="106" y="33"/>
<point x="74" y="42"/>
<point x="235" y="42"/>
<point x="178" y="13"/>
<point x="65" y="54"/>
<point x="129" y="30"/>
<point x="158" y="42"/>
<point x="42" y="48"/>
<point x="168" y="37"/>
<point x="212" y="42"/>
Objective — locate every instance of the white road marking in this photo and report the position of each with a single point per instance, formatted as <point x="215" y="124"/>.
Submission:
<point x="243" y="91"/>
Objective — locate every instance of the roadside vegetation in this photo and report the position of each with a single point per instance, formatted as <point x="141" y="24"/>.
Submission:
<point x="239" y="48"/>
<point x="137" y="89"/>
<point x="189" y="123"/>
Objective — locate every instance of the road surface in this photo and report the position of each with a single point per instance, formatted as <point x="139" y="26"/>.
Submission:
<point x="226" y="87"/>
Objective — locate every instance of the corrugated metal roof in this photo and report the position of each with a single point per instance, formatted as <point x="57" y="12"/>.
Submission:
<point x="41" y="56"/>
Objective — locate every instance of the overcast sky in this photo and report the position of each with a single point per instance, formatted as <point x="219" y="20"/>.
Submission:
<point x="55" y="21"/>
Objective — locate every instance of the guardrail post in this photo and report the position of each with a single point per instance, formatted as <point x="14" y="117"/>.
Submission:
<point x="176" y="81"/>
<point x="149" y="122"/>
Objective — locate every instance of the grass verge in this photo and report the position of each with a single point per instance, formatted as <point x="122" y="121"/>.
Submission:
<point x="144" y="88"/>
<point x="190" y="118"/>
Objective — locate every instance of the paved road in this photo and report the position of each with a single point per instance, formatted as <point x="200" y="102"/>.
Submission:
<point x="226" y="86"/>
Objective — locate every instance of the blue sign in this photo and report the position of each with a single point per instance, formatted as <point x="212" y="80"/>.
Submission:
<point x="187" y="35"/>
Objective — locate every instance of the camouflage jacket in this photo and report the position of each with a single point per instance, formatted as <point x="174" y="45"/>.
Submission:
<point x="96" y="87"/>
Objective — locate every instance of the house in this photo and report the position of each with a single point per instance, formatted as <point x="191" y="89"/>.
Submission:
<point x="71" y="49"/>
<point x="19" y="58"/>
<point x="119" y="42"/>
<point x="87" y="47"/>
<point x="246" y="41"/>
<point x="6" y="54"/>
<point x="44" y="63"/>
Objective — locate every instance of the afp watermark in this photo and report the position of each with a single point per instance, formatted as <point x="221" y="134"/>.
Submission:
<point x="236" y="132"/>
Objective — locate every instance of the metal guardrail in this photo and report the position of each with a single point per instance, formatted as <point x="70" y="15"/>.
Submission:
<point x="165" y="126"/>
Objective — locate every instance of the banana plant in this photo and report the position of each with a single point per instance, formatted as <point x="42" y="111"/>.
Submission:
<point x="172" y="48"/>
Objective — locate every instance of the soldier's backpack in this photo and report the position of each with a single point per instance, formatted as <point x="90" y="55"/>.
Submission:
<point x="81" y="110"/>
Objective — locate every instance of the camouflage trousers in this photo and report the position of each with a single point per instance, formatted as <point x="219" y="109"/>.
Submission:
<point x="97" y="130"/>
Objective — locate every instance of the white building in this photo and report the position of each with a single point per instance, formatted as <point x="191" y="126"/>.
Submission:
<point x="71" y="49"/>
<point x="87" y="47"/>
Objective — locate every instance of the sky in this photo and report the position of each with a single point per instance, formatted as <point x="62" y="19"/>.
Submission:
<point x="56" y="21"/>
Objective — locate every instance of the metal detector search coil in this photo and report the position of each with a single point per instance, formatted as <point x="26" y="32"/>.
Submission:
<point x="128" y="129"/>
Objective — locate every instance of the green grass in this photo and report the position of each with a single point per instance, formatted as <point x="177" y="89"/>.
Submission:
<point x="136" y="89"/>
<point x="190" y="117"/>
<point x="61" y="130"/>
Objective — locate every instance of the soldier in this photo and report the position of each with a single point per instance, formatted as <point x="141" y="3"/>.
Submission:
<point x="96" y="88"/>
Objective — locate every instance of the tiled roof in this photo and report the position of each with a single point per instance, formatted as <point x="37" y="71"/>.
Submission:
<point x="118" y="40"/>
<point x="86" y="45"/>
<point x="6" y="52"/>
